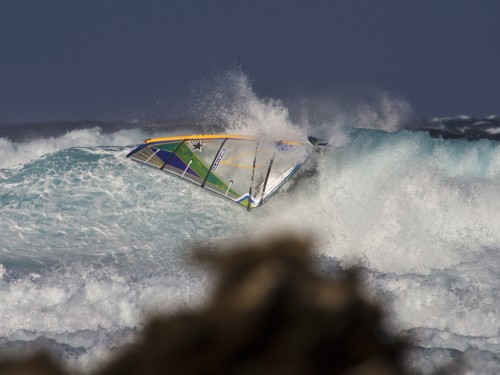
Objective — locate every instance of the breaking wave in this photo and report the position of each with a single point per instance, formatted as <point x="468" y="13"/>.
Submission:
<point x="91" y="243"/>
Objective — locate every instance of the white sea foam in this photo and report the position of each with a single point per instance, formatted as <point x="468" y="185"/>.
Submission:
<point x="416" y="212"/>
<point x="14" y="153"/>
<point x="91" y="242"/>
<point x="402" y="203"/>
<point x="229" y="99"/>
<point x="493" y="130"/>
<point x="89" y="307"/>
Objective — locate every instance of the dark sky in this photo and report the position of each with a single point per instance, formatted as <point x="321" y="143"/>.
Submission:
<point x="75" y="59"/>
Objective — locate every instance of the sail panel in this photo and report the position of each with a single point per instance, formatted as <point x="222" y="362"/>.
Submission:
<point x="243" y="169"/>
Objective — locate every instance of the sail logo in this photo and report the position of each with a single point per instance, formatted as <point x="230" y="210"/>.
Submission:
<point x="218" y="159"/>
<point x="196" y="145"/>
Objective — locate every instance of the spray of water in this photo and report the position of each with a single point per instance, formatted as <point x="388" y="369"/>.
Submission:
<point x="420" y="214"/>
<point x="228" y="99"/>
<point x="18" y="153"/>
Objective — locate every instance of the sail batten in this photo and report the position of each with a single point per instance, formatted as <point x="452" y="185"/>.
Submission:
<point x="243" y="169"/>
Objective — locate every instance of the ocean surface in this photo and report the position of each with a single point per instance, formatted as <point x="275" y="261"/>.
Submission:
<point x="92" y="243"/>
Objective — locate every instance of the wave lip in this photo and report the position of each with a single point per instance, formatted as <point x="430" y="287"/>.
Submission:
<point x="54" y="129"/>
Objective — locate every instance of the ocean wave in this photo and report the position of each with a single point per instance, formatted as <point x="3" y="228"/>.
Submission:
<point x="462" y="127"/>
<point x="85" y="312"/>
<point x="91" y="242"/>
<point x="16" y="153"/>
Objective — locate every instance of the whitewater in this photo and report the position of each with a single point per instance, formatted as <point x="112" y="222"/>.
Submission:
<point x="92" y="244"/>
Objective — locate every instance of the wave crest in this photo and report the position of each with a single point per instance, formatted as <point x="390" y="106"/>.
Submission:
<point x="15" y="153"/>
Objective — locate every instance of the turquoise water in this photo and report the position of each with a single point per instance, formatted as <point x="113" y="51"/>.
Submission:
<point x="92" y="243"/>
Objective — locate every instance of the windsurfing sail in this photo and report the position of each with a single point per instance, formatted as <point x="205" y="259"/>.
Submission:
<point x="244" y="169"/>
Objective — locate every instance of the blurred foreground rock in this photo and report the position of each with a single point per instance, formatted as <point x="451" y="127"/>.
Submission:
<point x="271" y="313"/>
<point x="40" y="364"/>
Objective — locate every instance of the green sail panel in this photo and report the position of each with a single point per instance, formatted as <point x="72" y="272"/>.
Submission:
<point x="243" y="169"/>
